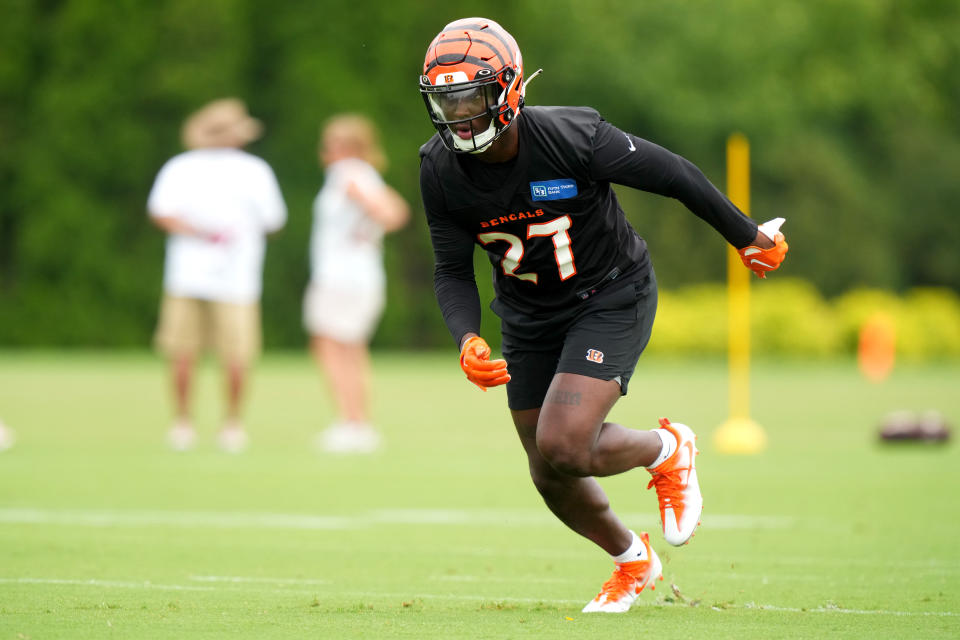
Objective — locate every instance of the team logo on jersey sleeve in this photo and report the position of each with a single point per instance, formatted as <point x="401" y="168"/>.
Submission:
<point x="553" y="189"/>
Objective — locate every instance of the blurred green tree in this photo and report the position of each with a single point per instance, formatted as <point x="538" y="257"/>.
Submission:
<point x="850" y="108"/>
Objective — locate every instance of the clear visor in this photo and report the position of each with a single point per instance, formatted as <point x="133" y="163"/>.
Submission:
<point x="465" y="104"/>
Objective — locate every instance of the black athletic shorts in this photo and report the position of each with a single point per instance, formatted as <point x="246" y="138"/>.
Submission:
<point x="600" y="337"/>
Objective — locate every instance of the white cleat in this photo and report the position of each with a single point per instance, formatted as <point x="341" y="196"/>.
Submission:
<point x="182" y="436"/>
<point x="349" y="437"/>
<point x="628" y="580"/>
<point x="232" y="438"/>
<point x="678" y="490"/>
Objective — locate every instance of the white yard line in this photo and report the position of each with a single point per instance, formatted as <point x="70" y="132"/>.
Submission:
<point x="113" y="584"/>
<point x="233" y="580"/>
<point x="502" y="579"/>
<point x="859" y="612"/>
<point x="372" y="518"/>
<point x="252" y="580"/>
<point x="742" y="562"/>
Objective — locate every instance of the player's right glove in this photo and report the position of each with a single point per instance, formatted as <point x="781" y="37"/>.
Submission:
<point x="480" y="369"/>
<point x="762" y="260"/>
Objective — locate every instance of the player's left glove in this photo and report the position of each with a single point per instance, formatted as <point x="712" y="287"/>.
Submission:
<point x="762" y="260"/>
<point x="480" y="369"/>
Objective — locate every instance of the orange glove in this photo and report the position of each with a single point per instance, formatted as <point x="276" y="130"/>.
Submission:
<point x="762" y="260"/>
<point x="480" y="369"/>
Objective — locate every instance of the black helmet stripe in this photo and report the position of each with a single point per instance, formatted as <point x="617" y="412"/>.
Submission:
<point x="495" y="50"/>
<point x="475" y="41"/>
<point x="479" y="28"/>
<point x="484" y="32"/>
<point x="454" y="58"/>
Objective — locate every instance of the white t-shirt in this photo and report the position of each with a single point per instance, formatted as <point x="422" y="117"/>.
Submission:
<point x="225" y="191"/>
<point x="346" y="244"/>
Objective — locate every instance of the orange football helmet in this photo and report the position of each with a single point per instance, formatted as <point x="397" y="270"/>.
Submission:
<point x="472" y="83"/>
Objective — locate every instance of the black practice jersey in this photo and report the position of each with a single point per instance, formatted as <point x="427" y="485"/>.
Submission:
<point x="548" y="219"/>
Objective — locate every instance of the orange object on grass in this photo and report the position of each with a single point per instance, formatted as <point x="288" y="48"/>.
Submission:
<point x="876" y="350"/>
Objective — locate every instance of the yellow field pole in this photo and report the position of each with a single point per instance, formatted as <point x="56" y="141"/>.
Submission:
<point x="739" y="434"/>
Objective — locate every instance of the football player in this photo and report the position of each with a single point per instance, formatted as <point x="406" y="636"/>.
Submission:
<point x="575" y="290"/>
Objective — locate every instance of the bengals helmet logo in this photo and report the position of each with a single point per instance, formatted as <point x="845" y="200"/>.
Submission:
<point x="595" y="356"/>
<point x="448" y="78"/>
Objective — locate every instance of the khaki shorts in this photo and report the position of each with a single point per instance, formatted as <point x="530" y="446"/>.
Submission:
<point x="188" y="326"/>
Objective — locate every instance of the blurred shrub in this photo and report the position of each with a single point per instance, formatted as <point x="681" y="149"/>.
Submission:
<point x="929" y="324"/>
<point x="926" y="320"/>
<point x="791" y="318"/>
<point x="691" y="321"/>
<point x="850" y="108"/>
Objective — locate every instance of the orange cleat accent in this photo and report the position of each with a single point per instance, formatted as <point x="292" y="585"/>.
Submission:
<point x="628" y="580"/>
<point x="678" y="490"/>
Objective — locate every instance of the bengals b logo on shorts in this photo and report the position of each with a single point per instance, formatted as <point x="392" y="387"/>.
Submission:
<point x="595" y="356"/>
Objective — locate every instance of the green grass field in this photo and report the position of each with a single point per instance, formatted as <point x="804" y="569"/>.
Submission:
<point x="106" y="534"/>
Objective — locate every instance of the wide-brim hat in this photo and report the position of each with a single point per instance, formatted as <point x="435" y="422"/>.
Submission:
<point x="221" y="123"/>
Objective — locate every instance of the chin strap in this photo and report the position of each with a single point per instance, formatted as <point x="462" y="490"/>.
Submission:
<point x="523" y="90"/>
<point x="535" y="74"/>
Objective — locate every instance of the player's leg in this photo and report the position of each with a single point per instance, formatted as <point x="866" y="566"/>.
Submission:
<point x="578" y="501"/>
<point x="574" y="438"/>
<point x="581" y="504"/>
<point x="601" y="347"/>
<point x="560" y="416"/>
<point x="600" y="351"/>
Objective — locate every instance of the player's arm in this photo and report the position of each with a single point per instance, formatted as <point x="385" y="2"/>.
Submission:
<point x="625" y="159"/>
<point x="459" y="300"/>
<point x="453" y="279"/>
<point x="455" y="287"/>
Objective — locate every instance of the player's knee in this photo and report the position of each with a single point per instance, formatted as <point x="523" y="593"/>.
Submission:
<point x="546" y="483"/>
<point x="563" y="454"/>
<point x="553" y="486"/>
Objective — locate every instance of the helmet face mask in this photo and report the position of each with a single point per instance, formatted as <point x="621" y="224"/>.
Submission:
<point x="472" y="84"/>
<point x="467" y="115"/>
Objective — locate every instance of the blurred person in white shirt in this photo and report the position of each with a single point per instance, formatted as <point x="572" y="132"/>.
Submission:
<point x="347" y="291"/>
<point x="217" y="203"/>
